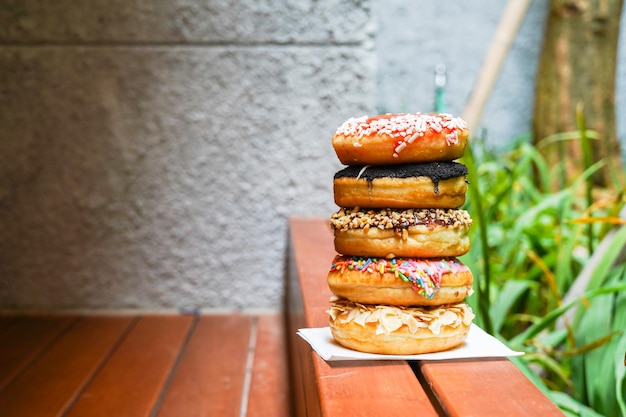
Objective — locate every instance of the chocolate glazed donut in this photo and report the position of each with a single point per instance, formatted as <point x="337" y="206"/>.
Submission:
<point x="425" y="185"/>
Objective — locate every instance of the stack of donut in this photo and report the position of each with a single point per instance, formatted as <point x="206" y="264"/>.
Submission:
<point x="397" y="283"/>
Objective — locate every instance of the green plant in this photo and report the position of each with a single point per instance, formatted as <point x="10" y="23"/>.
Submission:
<point x="549" y="275"/>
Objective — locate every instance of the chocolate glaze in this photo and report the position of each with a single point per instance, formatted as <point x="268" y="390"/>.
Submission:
<point x="436" y="171"/>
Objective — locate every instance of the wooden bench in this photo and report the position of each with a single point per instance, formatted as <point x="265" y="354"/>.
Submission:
<point x="236" y="364"/>
<point x="488" y="387"/>
<point x="146" y="365"/>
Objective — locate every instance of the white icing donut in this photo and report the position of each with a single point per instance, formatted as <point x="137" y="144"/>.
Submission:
<point x="400" y="138"/>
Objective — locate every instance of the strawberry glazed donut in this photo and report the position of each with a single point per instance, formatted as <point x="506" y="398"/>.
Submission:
<point x="400" y="139"/>
<point x="400" y="281"/>
<point x="425" y="185"/>
<point x="389" y="233"/>
<point x="392" y="330"/>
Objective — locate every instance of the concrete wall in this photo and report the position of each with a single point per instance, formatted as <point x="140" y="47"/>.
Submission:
<point x="151" y="152"/>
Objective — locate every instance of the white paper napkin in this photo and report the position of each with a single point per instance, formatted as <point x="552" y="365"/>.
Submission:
<point x="478" y="344"/>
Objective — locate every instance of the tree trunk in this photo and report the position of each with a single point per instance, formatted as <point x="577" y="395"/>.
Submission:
<point x="577" y="68"/>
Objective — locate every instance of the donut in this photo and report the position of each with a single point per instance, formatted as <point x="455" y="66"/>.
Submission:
<point x="394" y="330"/>
<point x="426" y="185"/>
<point x="423" y="233"/>
<point x="400" y="139"/>
<point x="400" y="281"/>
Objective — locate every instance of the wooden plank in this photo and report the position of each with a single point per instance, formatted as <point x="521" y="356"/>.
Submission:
<point x="130" y="382"/>
<point x="489" y="388"/>
<point x="209" y="379"/>
<point x="269" y="388"/>
<point x="6" y="322"/>
<point x="58" y="374"/>
<point x="306" y="401"/>
<point x="313" y="253"/>
<point x="24" y="341"/>
<point x="365" y="388"/>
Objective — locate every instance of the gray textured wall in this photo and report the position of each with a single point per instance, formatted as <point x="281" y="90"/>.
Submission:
<point x="150" y="153"/>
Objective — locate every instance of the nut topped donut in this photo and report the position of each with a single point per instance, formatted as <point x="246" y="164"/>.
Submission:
<point x="425" y="185"/>
<point x="400" y="281"/>
<point x="399" y="330"/>
<point x="424" y="233"/>
<point x="400" y="138"/>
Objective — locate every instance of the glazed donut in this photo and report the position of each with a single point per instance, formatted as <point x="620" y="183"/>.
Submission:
<point x="400" y="281"/>
<point x="400" y="139"/>
<point x="426" y="185"/>
<point x="399" y="330"/>
<point x="424" y="233"/>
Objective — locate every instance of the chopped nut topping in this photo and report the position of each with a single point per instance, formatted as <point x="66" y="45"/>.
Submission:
<point x="399" y="220"/>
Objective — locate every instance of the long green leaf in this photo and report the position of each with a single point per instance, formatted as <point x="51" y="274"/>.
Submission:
<point x="566" y="136"/>
<point x="607" y="261"/>
<point x="550" y="364"/>
<point x="551" y="317"/>
<point x="573" y="407"/>
<point x="511" y="291"/>
<point x="619" y="323"/>
<point x="587" y="162"/>
<point x="620" y="374"/>
<point x="604" y="317"/>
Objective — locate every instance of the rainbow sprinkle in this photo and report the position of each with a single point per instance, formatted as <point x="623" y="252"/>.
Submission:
<point x="423" y="274"/>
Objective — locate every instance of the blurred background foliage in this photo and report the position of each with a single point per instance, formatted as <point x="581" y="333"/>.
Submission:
<point x="550" y="269"/>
